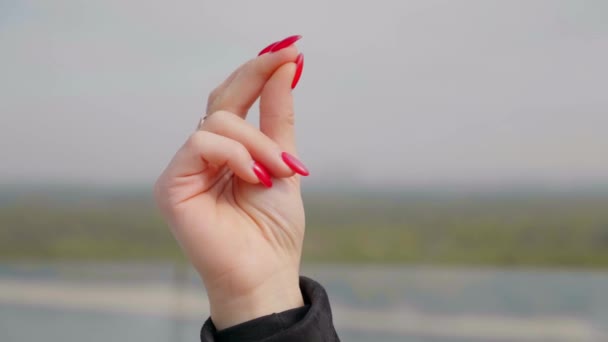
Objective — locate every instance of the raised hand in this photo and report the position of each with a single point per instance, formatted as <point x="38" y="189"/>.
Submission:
<point x="231" y="194"/>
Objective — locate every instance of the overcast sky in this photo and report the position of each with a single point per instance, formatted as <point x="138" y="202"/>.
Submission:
<point x="393" y="92"/>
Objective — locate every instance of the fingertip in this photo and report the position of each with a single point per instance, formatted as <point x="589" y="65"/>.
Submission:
<point x="267" y="48"/>
<point x="298" y="73"/>
<point x="274" y="164"/>
<point x="295" y="164"/>
<point x="251" y="173"/>
<point x="270" y="61"/>
<point x="282" y="78"/>
<point x="289" y="41"/>
<point x="262" y="174"/>
<point x="280" y="44"/>
<point x="281" y="170"/>
<point x="244" y="87"/>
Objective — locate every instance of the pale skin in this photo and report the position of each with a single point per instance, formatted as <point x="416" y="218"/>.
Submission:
<point x="243" y="238"/>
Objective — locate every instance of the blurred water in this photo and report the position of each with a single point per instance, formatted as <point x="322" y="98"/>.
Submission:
<point x="165" y="302"/>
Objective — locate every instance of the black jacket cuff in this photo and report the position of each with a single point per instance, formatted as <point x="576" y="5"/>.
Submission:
<point x="312" y="322"/>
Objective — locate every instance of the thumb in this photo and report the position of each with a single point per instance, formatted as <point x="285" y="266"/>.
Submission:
<point x="277" y="115"/>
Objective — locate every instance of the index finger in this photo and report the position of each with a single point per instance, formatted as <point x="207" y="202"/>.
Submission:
<point x="238" y="93"/>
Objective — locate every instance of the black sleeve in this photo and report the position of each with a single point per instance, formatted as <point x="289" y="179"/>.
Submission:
<point x="310" y="323"/>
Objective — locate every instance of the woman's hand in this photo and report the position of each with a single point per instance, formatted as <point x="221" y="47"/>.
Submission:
<point x="242" y="230"/>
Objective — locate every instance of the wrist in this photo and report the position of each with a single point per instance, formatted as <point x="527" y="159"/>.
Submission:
<point x="276" y="294"/>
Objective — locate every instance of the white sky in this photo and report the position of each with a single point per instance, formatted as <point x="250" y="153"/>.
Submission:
<point x="393" y="92"/>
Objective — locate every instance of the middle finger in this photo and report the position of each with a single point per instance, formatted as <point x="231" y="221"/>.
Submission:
<point x="262" y="148"/>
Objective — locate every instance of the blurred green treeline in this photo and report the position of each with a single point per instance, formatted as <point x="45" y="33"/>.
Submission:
<point x="506" y="229"/>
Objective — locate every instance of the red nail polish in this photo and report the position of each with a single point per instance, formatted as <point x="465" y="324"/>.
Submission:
<point x="285" y="43"/>
<point x="267" y="49"/>
<point x="299" y="67"/>
<point x="262" y="174"/>
<point x="294" y="164"/>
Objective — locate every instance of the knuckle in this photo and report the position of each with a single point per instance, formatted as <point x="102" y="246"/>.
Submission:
<point x="290" y="118"/>
<point x="216" y="120"/>
<point x="196" y="139"/>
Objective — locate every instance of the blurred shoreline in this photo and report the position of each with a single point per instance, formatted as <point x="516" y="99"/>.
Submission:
<point x="146" y="290"/>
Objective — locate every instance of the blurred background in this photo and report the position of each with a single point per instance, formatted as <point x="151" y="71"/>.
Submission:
<point x="458" y="153"/>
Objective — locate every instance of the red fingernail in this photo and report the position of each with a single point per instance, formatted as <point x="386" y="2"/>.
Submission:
<point x="267" y="49"/>
<point x="285" y="43"/>
<point x="299" y="67"/>
<point x="262" y="174"/>
<point x="294" y="164"/>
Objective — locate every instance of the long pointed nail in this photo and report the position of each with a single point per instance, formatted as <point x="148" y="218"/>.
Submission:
<point x="285" y="43"/>
<point x="295" y="164"/>
<point x="299" y="67"/>
<point x="262" y="174"/>
<point x="267" y="49"/>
